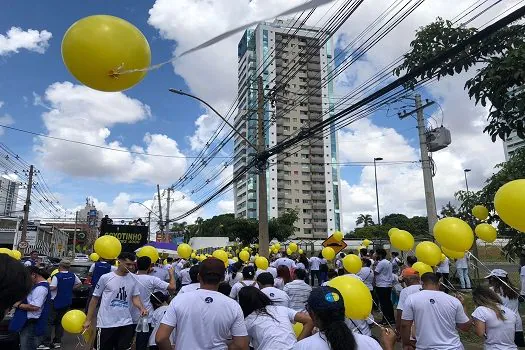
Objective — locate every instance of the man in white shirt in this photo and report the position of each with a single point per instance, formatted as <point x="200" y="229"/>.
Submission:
<point x="436" y="315"/>
<point x="396" y="262"/>
<point x="442" y="271"/>
<point x="366" y="274"/>
<point x="315" y="264"/>
<point x="383" y="286"/>
<point x="462" y="270"/>
<point x="413" y="285"/>
<point x="298" y="291"/>
<point x="277" y="296"/>
<point x="118" y="293"/>
<point x="205" y="318"/>
<point x="522" y="278"/>
<point x="286" y="261"/>
<point x="194" y="277"/>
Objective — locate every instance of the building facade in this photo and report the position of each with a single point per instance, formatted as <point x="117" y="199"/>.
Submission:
<point x="8" y="197"/>
<point x="511" y="144"/>
<point x="295" y="65"/>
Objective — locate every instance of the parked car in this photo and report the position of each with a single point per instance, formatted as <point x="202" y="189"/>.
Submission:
<point x="8" y="341"/>
<point x="81" y="293"/>
<point x="81" y="258"/>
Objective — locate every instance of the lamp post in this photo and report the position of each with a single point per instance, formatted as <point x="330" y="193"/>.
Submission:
<point x="378" y="159"/>
<point x="466" y="180"/>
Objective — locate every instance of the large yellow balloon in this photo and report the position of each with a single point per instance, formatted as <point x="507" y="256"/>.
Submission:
<point x="352" y="263"/>
<point x="96" y="47"/>
<point x="328" y="253"/>
<point x="429" y="253"/>
<point x="293" y="247"/>
<point x="297" y="329"/>
<point x="221" y="255"/>
<point x="16" y="254"/>
<point x="486" y="232"/>
<point x="422" y="268"/>
<point x="108" y="247"/>
<point x="356" y="295"/>
<point x="244" y="256"/>
<point x="510" y="204"/>
<point x="366" y="242"/>
<point x="73" y="321"/>
<point x="480" y="212"/>
<point x="338" y="236"/>
<point x="150" y="252"/>
<point x="6" y="251"/>
<point x="452" y="254"/>
<point x="392" y="230"/>
<point x="402" y="240"/>
<point x="261" y="262"/>
<point x="184" y="251"/>
<point x="454" y="234"/>
<point x="94" y="257"/>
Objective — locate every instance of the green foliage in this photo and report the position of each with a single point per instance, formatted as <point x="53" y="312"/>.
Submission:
<point x="500" y="81"/>
<point x="417" y="225"/>
<point x="365" y="220"/>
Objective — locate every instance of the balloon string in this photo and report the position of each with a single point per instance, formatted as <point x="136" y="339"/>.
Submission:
<point x="303" y="7"/>
<point x="489" y="270"/>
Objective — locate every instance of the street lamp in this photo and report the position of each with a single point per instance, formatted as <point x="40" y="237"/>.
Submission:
<point x="378" y="159"/>
<point x="466" y="181"/>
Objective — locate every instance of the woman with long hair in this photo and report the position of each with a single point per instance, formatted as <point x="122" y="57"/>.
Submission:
<point x="327" y="310"/>
<point x="270" y="327"/>
<point x="283" y="277"/>
<point x="493" y="322"/>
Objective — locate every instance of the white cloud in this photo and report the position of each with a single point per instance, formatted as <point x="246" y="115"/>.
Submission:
<point x="225" y="206"/>
<point x="5" y="119"/>
<point x="206" y="126"/>
<point x="16" y="39"/>
<point x="82" y="114"/>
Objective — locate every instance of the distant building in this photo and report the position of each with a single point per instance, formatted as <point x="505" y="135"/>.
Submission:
<point x="511" y="144"/>
<point x="8" y="197"/>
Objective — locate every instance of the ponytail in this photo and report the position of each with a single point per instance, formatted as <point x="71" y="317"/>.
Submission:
<point x="333" y="326"/>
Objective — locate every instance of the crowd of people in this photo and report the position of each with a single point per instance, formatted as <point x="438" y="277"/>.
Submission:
<point x="189" y="304"/>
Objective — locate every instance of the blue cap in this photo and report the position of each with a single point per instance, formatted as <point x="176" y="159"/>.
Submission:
<point x="325" y="298"/>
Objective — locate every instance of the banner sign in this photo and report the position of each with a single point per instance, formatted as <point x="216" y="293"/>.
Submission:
<point x="130" y="236"/>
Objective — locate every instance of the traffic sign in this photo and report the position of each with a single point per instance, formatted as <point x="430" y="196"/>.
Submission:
<point x="23" y="245"/>
<point x="336" y="245"/>
<point x="59" y="246"/>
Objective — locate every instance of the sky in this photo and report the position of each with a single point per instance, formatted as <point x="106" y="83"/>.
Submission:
<point x="38" y="94"/>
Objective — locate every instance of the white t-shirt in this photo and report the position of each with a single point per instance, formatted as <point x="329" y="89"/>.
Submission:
<point x="237" y="287"/>
<point x="405" y="293"/>
<point x="499" y="334"/>
<point x="161" y="273"/>
<point x="116" y="293"/>
<point x="189" y="288"/>
<point x="444" y="267"/>
<point x="54" y="283"/>
<point x="155" y="323"/>
<point x="277" y="296"/>
<point x="185" y="276"/>
<point x="298" y="291"/>
<point x="233" y="279"/>
<point x="462" y="263"/>
<point x="367" y="276"/>
<point x="272" y="270"/>
<point x="289" y="263"/>
<point x="222" y="316"/>
<point x="278" y="283"/>
<point x="314" y="263"/>
<point x="37" y="297"/>
<point x="267" y="333"/>
<point x="178" y="265"/>
<point x="147" y="284"/>
<point x="361" y="326"/>
<point x="438" y="312"/>
<point x="300" y="265"/>
<point x="318" y="342"/>
<point x="522" y="278"/>
<point x="384" y="273"/>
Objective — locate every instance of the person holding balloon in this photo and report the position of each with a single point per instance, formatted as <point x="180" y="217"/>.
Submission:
<point x="383" y="286"/>
<point x="96" y="270"/>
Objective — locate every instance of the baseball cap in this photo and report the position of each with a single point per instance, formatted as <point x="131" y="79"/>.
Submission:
<point x="409" y="272"/>
<point x="497" y="273"/>
<point x="325" y="298"/>
<point x="212" y="266"/>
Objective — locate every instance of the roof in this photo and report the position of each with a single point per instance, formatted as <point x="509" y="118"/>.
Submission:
<point x="208" y="242"/>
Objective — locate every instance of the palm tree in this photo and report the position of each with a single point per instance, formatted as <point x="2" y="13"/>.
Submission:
<point x="365" y="220"/>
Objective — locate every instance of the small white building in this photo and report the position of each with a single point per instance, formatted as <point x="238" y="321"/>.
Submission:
<point x="511" y="144"/>
<point x="8" y="196"/>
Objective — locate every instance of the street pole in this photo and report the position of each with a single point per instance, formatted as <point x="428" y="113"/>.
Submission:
<point x="161" y="223"/>
<point x="168" y="211"/>
<point x="75" y="237"/>
<point x="149" y="226"/>
<point x="466" y="180"/>
<point x="377" y="192"/>
<point x="26" y="208"/>
<point x="264" y="239"/>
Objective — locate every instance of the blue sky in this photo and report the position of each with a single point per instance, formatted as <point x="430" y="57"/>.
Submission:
<point x="185" y="23"/>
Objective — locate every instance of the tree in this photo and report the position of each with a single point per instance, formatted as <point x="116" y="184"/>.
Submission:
<point x="499" y="82"/>
<point x="400" y="221"/>
<point x="448" y="210"/>
<point x="282" y="227"/>
<point x="365" y="220"/>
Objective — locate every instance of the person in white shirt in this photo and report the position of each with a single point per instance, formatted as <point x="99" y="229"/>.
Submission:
<point x="366" y="274"/>
<point x="339" y="262"/>
<point x="277" y="296"/>
<point x="327" y="310"/>
<point x="436" y="316"/>
<point x="248" y="275"/>
<point x="462" y="270"/>
<point x="269" y="326"/>
<point x="298" y="291"/>
<point x="234" y="275"/>
<point x="363" y="327"/>
<point x="396" y="262"/>
<point x="410" y="278"/>
<point x="184" y="274"/>
<point x="443" y="271"/>
<point x="159" y="302"/>
<point x="522" y="280"/>
<point x="283" y="277"/>
<point x="160" y="272"/>
<point x="493" y="322"/>
<point x="315" y="264"/>
<point x="118" y="293"/>
<point x="194" y="277"/>
<point x="205" y="318"/>
<point x="286" y="261"/>
<point x="383" y="286"/>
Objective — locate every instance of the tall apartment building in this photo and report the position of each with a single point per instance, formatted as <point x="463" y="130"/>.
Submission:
<point x="307" y="178"/>
<point x="511" y="144"/>
<point x="8" y="197"/>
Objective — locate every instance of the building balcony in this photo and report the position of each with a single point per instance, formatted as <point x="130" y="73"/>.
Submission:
<point x="319" y="205"/>
<point x="318" y="196"/>
<point x="317" y="177"/>
<point x="318" y="187"/>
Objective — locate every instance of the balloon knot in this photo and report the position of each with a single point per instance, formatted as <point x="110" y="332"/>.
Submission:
<point x="115" y="73"/>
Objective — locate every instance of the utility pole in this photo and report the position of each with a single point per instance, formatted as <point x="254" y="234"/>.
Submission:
<point x="75" y="237"/>
<point x="149" y="226"/>
<point x="161" y="223"/>
<point x="264" y="239"/>
<point x="168" y="210"/>
<point x="26" y="208"/>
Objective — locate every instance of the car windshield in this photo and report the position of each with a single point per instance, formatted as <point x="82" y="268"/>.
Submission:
<point x="80" y="271"/>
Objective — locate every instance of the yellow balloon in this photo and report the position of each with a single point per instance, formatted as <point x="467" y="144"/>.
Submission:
<point x="352" y="263"/>
<point x="184" y="251"/>
<point x="297" y="329"/>
<point x="452" y="254"/>
<point x="486" y="232"/>
<point x="193" y="255"/>
<point x="73" y="321"/>
<point x="428" y="253"/>
<point x="392" y="230"/>
<point x="95" y="48"/>
<point x="300" y="251"/>
<point x="6" y="251"/>
<point x="338" y="236"/>
<point x="165" y="262"/>
<point x="454" y="234"/>
<point x="366" y="242"/>
<point x="443" y="257"/>
<point x="402" y="240"/>
<point x="261" y="262"/>
<point x="16" y="254"/>
<point x="244" y="256"/>
<point x="293" y="247"/>
<point x="275" y="250"/>
<point x="289" y="251"/>
<point x="54" y="272"/>
<point x="221" y="255"/>
<point x="328" y="253"/>
<point x="235" y="259"/>
<point x="509" y="202"/>
<point x="94" y="257"/>
<point x="150" y="252"/>
<point x="356" y="295"/>
<point x="277" y="246"/>
<point x="108" y="247"/>
<point x="480" y="212"/>
<point x="422" y="268"/>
